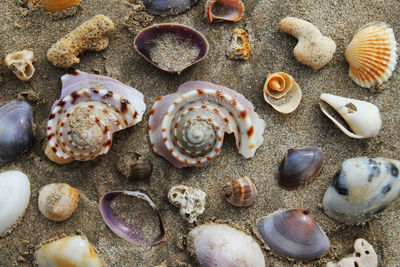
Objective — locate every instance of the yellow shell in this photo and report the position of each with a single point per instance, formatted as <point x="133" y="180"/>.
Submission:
<point x="58" y="5"/>
<point x="372" y="55"/>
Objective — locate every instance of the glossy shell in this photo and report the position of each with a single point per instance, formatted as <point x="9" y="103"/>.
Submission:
<point x="362" y="189"/>
<point x="168" y="7"/>
<point x="299" y="167"/>
<point x="294" y="233"/>
<point x="58" y="5"/>
<point x="135" y="166"/>
<point x="222" y="245"/>
<point x="361" y="119"/>
<point x="187" y="127"/>
<point x="372" y="55"/>
<point x="16" y="130"/>
<point x="241" y="193"/>
<point x="219" y="10"/>
<point x="58" y="201"/>
<point x="15" y="191"/>
<point x="171" y="47"/>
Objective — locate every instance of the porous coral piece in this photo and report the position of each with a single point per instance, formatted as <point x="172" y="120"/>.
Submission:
<point x="239" y="47"/>
<point x="21" y="63"/>
<point x="191" y="201"/>
<point x="313" y="49"/>
<point x="364" y="255"/>
<point x="92" y="35"/>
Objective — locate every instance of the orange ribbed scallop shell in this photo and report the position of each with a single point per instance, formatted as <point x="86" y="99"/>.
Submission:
<point x="58" y="5"/>
<point x="372" y="55"/>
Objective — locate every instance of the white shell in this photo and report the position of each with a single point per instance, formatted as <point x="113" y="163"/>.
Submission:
<point x="191" y="201"/>
<point x="21" y="63"/>
<point x="222" y="245"/>
<point x="363" y="188"/>
<point x="362" y="117"/>
<point x="15" y="191"/>
<point x="58" y="201"/>
<point x="73" y="250"/>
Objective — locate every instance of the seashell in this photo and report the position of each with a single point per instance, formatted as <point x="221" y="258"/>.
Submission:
<point x="135" y="166"/>
<point x="15" y="191"/>
<point x="171" y="47"/>
<point x="361" y="119"/>
<point x="294" y="233"/>
<point x="58" y="201"/>
<point x="363" y="255"/>
<point x="222" y="245"/>
<point x="230" y="10"/>
<point x="191" y="201"/>
<point x="241" y="193"/>
<point x="300" y="167"/>
<point x="91" y="108"/>
<point x="168" y="7"/>
<point x="282" y="92"/>
<point x="58" y="5"/>
<point x="124" y="229"/>
<point x="16" y="130"/>
<point x="362" y="189"/>
<point x="187" y="127"/>
<point x="74" y="250"/>
<point x="21" y="63"/>
<point x="372" y="55"/>
<point x="240" y="46"/>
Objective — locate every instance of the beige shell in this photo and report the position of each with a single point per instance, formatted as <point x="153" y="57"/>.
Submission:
<point x="21" y="63"/>
<point x="239" y="47"/>
<point x="372" y="55"/>
<point x="282" y="92"/>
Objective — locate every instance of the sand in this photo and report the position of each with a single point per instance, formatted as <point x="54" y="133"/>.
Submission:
<point x="23" y="28"/>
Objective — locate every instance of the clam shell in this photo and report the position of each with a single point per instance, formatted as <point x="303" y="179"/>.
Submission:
<point x="362" y="119"/>
<point x="168" y="7"/>
<point x="222" y="245"/>
<point x="58" y="5"/>
<point x="372" y="55"/>
<point x="15" y="191"/>
<point x="294" y="233"/>
<point x="362" y="189"/>
<point x="241" y="193"/>
<point x="16" y="130"/>
<point x="299" y="167"/>
<point x="219" y="10"/>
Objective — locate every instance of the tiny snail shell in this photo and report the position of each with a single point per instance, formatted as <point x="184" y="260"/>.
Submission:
<point x="241" y="193"/>
<point x="135" y="166"/>
<point x="58" y="201"/>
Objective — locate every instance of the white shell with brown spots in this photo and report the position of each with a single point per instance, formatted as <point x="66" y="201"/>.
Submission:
<point x="187" y="127"/>
<point x="106" y="106"/>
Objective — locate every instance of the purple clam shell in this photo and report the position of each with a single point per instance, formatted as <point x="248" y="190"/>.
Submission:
<point x="16" y="130"/>
<point x="294" y="233"/>
<point x="145" y="39"/>
<point x="168" y="7"/>
<point x="123" y="229"/>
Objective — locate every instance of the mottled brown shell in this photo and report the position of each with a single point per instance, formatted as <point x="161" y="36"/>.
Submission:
<point x="135" y="166"/>
<point x="241" y="193"/>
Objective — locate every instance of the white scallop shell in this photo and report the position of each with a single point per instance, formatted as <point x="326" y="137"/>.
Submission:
<point x="363" y="118"/>
<point x="15" y="191"/>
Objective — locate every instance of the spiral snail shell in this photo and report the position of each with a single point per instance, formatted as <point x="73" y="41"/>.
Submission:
<point x="91" y="108"/>
<point x="187" y="127"/>
<point x="241" y="193"/>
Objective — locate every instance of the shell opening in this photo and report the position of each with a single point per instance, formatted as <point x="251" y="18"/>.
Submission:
<point x="328" y="109"/>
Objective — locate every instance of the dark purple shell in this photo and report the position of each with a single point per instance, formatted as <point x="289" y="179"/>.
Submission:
<point x="16" y="130"/>
<point x="168" y="7"/>
<point x="299" y="167"/>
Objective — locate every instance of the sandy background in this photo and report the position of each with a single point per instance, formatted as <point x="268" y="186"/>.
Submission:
<point x="23" y="28"/>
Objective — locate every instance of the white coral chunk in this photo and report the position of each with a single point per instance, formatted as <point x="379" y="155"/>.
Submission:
<point x="191" y="201"/>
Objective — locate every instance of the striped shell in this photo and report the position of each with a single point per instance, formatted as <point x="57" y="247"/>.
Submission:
<point x="241" y="193"/>
<point x="187" y="127"/>
<point x="91" y="108"/>
<point x="372" y="55"/>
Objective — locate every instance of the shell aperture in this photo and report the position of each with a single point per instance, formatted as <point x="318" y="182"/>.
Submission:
<point x="187" y="127"/>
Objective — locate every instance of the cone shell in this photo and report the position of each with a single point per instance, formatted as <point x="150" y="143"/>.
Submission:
<point x="372" y="55"/>
<point x="230" y="10"/>
<point x="241" y="193"/>
<point x="58" y="5"/>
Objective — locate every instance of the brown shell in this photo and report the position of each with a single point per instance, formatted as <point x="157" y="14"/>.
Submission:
<point x="241" y="193"/>
<point x="135" y="166"/>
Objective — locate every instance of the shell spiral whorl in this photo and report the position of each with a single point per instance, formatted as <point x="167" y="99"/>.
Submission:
<point x="187" y="127"/>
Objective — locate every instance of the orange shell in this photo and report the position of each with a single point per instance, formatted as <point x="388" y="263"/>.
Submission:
<point x="240" y="46"/>
<point x="58" y="5"/>
<point x="230" y="10"/>
<point x="372" y="55"/>
<point x="242" y="193"/>
<point x="278" y="84"/>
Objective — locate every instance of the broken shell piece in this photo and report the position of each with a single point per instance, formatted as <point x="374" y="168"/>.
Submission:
<point x="240" y="46"/>
<point x="21" y="63"/>
<point x="58" y="5"/>
<point x="241" y="193"/>
<point x="361" y="119"/>
<point x="219" y="10"/>
<point x="122" y="228"/>
<point x="58" y="201"/>
<point x="75" y="250"/>
<point x="168" y="7"/>
<point x="372" y="55"/>
<point x="191" y="201"/>
<point x="15" y="191"/>
<point x="92" y="35"/>
<point x="363" y="256"/>
<point x="313" y="49"/>
<point x="282" y="92"/>
<point x="171" y="47"/>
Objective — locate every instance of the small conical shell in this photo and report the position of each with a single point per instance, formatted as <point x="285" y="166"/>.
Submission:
<point x="372" y="55"/>
<point x="241" y="193"/>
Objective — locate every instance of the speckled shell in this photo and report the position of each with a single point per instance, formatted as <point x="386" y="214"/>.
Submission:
<point x="362" y="189"/>
<point x="91" y="108"/>
<point x="372" y="55"/>
<point x="58" y="5"/>
<point x="294" y="233"/>
<point x="230" y="10"/>
<point x="187" y="127"/>
<point x="242" y="192"/>
<point x="168" y="7"/>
